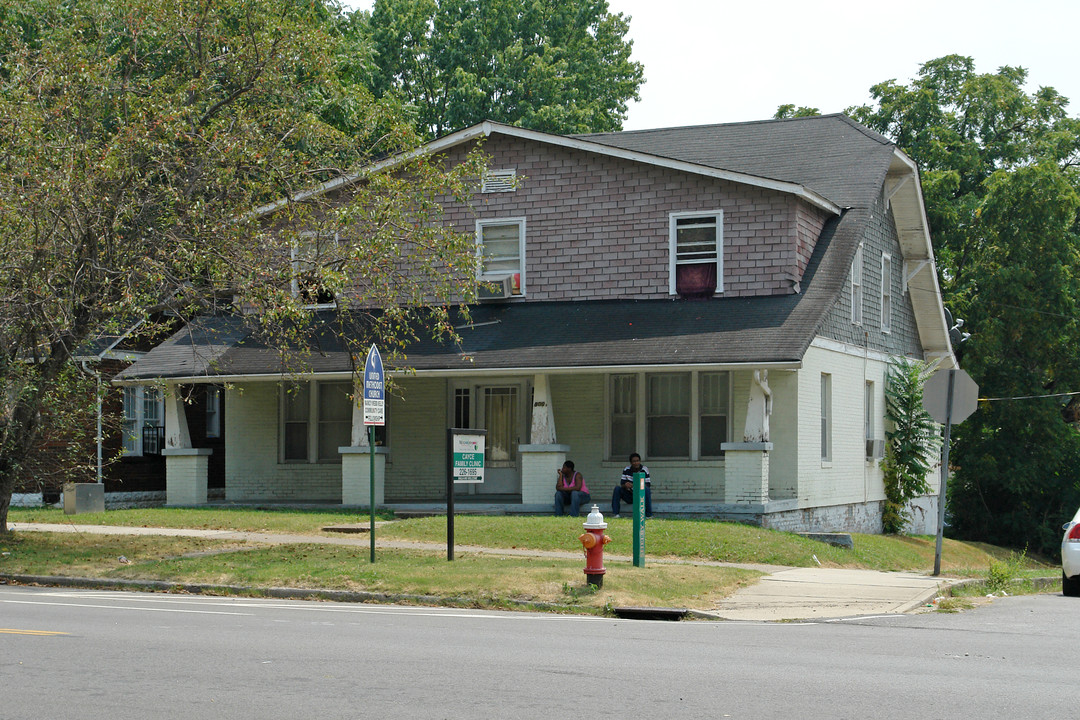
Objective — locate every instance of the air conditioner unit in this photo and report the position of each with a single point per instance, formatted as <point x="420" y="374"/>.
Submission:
<point x="498" y="288"/>
<point x="494" y="289"/>
<point x="875" y="449"/>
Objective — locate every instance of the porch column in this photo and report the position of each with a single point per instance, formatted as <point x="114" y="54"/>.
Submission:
<point x="186" y="468"/>
<point x="746" y="463"/>
<point x="542" y="458"/>
<point x="356" y="464"/>
<point x="746" y="472"/>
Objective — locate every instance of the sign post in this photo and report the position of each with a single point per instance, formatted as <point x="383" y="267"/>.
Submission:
<point x="464" y="464"/>
<point x="639" y="519"/>
<point x="374" y="414"/>
<point x="949" y="396"/>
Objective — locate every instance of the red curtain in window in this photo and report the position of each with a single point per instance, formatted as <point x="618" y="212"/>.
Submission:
<point x="697" y="280"/>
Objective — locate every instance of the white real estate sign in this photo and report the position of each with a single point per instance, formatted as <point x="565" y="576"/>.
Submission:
<point x="468" y="458"/>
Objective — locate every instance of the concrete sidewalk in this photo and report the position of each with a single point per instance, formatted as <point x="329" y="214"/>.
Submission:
<point x="784" y="593"/>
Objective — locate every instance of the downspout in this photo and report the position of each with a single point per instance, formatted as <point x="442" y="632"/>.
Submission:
<point x="865" y="362"/>
<point x="97" y="397"/>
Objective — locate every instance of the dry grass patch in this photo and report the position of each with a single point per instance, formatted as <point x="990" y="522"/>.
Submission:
<point x="97" y="556"/>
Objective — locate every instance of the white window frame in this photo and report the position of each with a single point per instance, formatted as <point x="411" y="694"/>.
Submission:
<point x="213" y="411"/>
<point x="313" y="422"/>
<point x="641" y="410"/>
<point x="499" y="274"/>
<point x="137" y="400"/>
<point x="296" y="257"/>
<point x="826" y="418"/>
<point x="868" y="410"/>
<point x="499" y="181"/>
<point x="857" y="287"/>
<point x="673" y="220"/>
<point x="886" y="292"/>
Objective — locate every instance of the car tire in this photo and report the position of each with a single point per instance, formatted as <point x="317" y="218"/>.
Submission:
<point x="1070" y="586"/>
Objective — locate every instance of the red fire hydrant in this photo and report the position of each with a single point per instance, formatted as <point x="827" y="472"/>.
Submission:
<point x="594" y="540"/>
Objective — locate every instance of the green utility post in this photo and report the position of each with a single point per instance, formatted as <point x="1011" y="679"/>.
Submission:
<point x="639" y="519"/>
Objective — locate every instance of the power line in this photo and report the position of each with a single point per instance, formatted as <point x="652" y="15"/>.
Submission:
<point x="1030" y="397"/>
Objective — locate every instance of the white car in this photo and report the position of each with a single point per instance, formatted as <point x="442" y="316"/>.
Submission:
<point x="1070" y="557"/>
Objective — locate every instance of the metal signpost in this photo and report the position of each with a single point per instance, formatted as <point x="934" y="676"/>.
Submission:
<point x="464" y="464"/>
<point x="639" y="519"/>
<point x="374" y="414"/>
<point x="949" y="396"/>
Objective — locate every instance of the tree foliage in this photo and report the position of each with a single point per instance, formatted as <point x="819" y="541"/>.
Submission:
<point x="998" y="171"/>
<point x="913" y="440"/>
<point x="560" y="66"/>
<point x="137" y="137"/>
<point x="962" y="127"/>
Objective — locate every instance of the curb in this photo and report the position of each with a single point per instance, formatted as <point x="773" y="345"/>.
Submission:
<point x="279" y="593"/>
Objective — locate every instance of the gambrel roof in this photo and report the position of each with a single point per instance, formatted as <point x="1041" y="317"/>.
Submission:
<point x="829" y="161"/>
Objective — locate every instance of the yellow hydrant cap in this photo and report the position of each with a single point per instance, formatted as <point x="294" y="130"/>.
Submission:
<point x="595" y="521"/>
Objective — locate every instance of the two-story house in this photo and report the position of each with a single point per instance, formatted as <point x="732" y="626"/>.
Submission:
<point x="721" y="299"/>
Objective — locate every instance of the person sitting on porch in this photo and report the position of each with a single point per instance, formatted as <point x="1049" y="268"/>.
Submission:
<point x="624" y="491"/>
<point x="570" y="489"/>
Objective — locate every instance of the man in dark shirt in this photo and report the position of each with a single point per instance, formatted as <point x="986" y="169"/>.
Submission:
<point x="624" y="491"/>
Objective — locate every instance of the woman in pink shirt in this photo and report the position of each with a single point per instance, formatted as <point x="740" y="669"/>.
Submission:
<point x="570" y="489"/>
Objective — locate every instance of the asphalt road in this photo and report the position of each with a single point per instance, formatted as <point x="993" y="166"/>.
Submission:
<point x="93" y="654"/>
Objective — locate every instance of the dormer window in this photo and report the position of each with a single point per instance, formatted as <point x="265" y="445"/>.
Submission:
<point x="313" y="252"/>
<point x="496" y="181"/>
<point x="696" y="265"/>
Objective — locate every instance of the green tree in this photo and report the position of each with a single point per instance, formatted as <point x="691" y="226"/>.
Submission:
<point x="790" y="111"/>
<point x="961" y="127"/>
<point x="913" y="441"/>
<point x="560" y="66"/>
<point x="998" y="171"/>
<point x="136" y="138"/>
<point x="1017" y="460"/>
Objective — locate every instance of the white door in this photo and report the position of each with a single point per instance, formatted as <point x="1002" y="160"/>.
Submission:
<point x="499" y="412"/>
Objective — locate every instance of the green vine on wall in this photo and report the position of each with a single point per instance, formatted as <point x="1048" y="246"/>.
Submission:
<point x="913" y="440"/>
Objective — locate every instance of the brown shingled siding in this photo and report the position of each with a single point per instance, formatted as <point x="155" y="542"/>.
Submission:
<point x="597" y="227"/>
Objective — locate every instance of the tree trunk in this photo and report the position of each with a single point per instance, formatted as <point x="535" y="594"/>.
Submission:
<point x="5" y="503"/>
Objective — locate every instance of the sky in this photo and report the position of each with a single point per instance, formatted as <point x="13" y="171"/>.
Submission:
<point x="715" y="61"/>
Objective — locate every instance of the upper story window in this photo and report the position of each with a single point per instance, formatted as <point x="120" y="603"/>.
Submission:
<point x="857" y="287"/>
<point x="696" y="264"/>
<point x="313" y="253"/>
<point x="886" y="292"/>
<point x="501" y="246"/>
<point x="496" y="181"/>
<point x="143" y="420"/>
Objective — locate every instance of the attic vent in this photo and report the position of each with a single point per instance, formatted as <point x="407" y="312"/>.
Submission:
<point x="499" y="181"/>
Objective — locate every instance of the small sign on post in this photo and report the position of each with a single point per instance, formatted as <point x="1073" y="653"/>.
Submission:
<point x="464" y="464"/>
<point x="374" y="415"/>
<point x="374" y="389"/>
<point x="468" y="458"/>
<point x="949" y="397"/>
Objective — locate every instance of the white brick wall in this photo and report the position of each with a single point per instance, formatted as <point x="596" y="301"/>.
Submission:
<point x="848" y="478"/>
<point x="417" y="435"/>
<point x="252" y="470"/>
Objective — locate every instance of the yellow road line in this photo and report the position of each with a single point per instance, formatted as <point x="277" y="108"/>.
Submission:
<point x="10" y="631"/>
